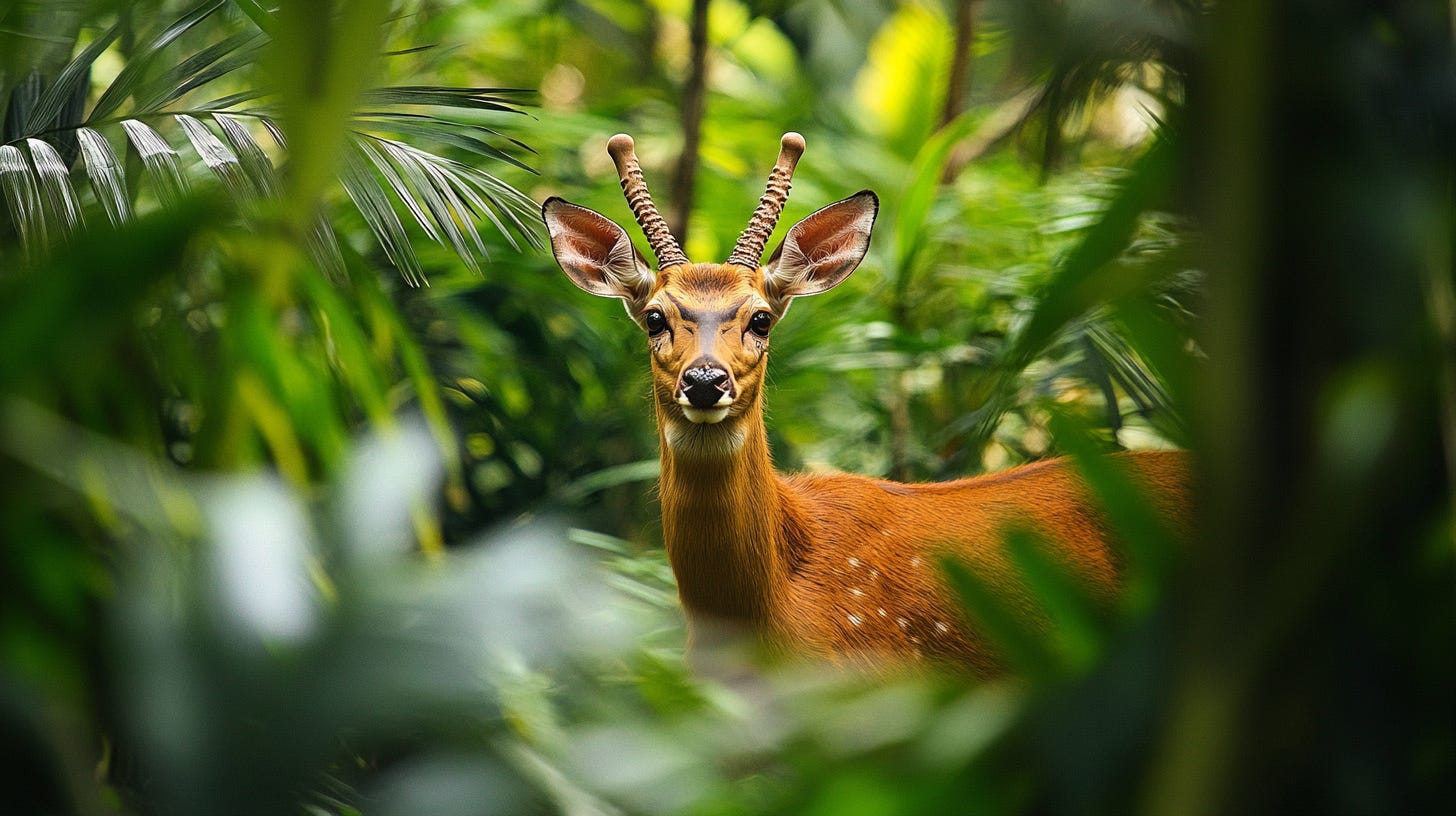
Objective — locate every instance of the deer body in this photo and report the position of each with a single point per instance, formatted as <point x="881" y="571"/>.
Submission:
<point x="837" y="565"/>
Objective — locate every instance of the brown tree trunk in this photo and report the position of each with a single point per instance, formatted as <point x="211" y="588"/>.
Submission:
<point x="684" y="180"/>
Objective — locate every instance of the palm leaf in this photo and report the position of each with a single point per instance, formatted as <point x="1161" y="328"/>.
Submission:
<point x="492" y="99"/>
<point x="372" y="203"/>
<point x="70" y="82"/>
<point x="55" y="183"/>
<point x="255" y="162"/>
<point x="19" y="188"/>
<point x="160" y="161"/>
<point x="221" y="161"/>
<point x="448" y="212"/>
<point x="108" y="177"/>
<point x="450" y="201"/>
<point x="22" y="103"/>
<point x="209" y="64"/>
<point x="131" y="76"/>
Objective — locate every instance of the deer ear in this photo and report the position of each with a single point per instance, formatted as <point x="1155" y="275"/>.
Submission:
<point x="595" y="253"/>
<point x="820" y="251"/>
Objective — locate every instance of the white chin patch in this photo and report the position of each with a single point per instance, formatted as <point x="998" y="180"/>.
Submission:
<point x="705" y="416"/>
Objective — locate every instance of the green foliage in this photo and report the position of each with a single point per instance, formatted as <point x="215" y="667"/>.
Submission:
<point x="304" y="513"/>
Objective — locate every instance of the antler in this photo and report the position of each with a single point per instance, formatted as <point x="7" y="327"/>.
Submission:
<point x="749" y="248"/>
<point x="634" y="187"/>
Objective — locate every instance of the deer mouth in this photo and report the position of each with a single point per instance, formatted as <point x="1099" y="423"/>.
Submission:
<point x="706" y="416"/>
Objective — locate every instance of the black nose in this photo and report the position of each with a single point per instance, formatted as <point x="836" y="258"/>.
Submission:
<point x="704" y="385"/>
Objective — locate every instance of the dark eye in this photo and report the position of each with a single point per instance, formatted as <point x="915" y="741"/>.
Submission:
<point x="655" y="322"/>
<point x="760" y="323"/>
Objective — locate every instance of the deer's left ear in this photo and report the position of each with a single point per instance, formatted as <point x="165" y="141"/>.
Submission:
<point x="820" y="251"/>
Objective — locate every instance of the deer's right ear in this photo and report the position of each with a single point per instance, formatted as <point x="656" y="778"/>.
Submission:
<point x="596" y="254"/>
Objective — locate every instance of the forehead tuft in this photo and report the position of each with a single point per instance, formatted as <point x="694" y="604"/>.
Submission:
<point x="709" y="281"/>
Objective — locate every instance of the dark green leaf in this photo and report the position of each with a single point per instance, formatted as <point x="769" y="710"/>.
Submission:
<point x="73" y="78"/>
<point x="134" y="72"/>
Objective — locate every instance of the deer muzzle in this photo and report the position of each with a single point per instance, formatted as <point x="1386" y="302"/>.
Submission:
<point x="705" y="390"/>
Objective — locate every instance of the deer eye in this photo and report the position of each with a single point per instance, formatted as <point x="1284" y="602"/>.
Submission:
<point x="655" y="322"/>
<point x="760" y="323"/>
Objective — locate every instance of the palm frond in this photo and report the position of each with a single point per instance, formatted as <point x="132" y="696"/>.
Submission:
<point x="221" y="161"/>
<point x="160" y="161"/>
<point x="371" y="202"/>
<point x="108" y="176"/>
<point x="205" y="66"/>
<point x="133" y="74"/>
<point x="451" y="201"/>
<point x="23" y="198"/>
<point x="69" y="83"/>
<point x="55" y="184"/>
<point x="446" y="209"/>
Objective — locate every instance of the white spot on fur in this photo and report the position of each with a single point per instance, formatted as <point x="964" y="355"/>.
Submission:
<point x="857" y="592"/>
<point x="915" y="562"/>
<point x="941" y="627"/>
<point x="881" y="610"/>
<point x="855" y="619"/>
<point x="902" y="622"/>
<point x="853" y="562"/>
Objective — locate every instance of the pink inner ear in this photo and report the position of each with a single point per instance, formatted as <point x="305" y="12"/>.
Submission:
<point x="589" y="249"/>
<point x="589" y="226"/>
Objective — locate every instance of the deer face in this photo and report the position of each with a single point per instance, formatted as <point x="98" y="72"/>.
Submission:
<point x="708" y="325"/>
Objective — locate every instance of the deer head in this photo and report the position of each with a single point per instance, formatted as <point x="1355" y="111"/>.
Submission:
<point x="708" y="324"/>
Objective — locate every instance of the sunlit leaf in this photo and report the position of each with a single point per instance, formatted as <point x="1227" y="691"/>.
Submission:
<point x="160" y="161"/>
<point x="364" y="191"/>
<point x="108" y="176"/>
<point x="220" y="160"/>
<point x="55" y="183"/>
<point x="18" y="184"/>
<point x="254" y="161"/>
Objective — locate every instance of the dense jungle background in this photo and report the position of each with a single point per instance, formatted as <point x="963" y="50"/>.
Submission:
<point x="323" y="491"/>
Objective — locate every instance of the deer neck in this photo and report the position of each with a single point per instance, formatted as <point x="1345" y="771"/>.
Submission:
<point x="721" y="518"/>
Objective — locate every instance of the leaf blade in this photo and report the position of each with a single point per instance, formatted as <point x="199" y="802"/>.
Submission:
<point x="108" y="176"/>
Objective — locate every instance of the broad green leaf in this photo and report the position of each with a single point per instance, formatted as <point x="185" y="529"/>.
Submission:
<point x="317" y="95"/>
<point x="1073" y="616"/>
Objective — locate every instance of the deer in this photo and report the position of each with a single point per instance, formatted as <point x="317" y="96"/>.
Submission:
<point x="837" y="566"/>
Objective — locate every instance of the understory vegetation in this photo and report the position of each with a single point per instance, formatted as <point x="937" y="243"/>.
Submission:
<point x="322" y="490"/>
